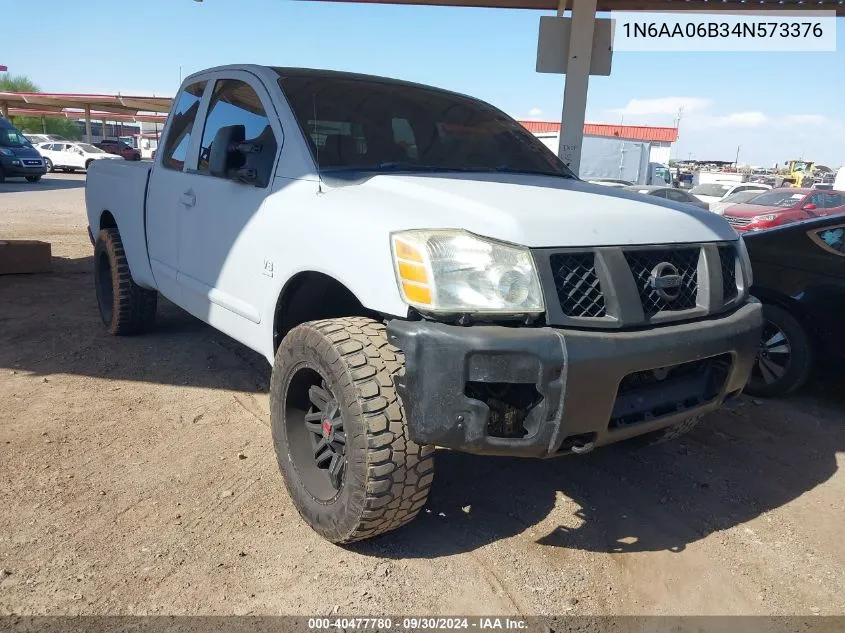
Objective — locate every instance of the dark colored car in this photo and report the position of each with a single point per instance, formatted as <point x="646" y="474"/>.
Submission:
<point x="668" y="193"/>
<point x="119" y="148"/>
<point x="799" y="275"/>
<point x="783" y="206"/>
<point x="17" y="155"/>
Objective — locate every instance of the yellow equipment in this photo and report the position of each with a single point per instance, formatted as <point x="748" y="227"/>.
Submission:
<point x="798" y="171"/>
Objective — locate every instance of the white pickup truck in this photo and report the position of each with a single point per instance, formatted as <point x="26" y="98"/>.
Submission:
<point x="420" y="271"/>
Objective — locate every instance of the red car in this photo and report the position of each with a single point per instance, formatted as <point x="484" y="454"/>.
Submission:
<point x="119" y="148"/>
<point x="782" y="206"/>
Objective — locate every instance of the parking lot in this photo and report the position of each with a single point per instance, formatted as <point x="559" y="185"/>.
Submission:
<point x="138" y="476"/>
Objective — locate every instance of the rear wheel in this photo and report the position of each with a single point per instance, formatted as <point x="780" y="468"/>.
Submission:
<point x="125" y="307"/>
<point x="88" y="163"/>
<point x="49" y="165"/>
<point x="339" y="430"/>
<point x="2" y="175"/>
<point x="783" y="357"/>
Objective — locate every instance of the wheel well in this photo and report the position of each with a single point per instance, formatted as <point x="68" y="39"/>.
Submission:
<point x="310" y="296"/>
<point x="107" y="221"/>
<point x="780" y="300"/>
<point x="788" y="304"/>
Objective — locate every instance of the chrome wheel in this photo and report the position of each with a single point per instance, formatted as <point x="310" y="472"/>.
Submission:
<point x="773" y="355"/>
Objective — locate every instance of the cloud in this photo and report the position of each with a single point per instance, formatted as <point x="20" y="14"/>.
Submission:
<point x="804" y="119"/>
<point x="663" y="106"/>
<point x="742" y="119"/>
<point x="759" y="119"/>
<point x="535" y="113"/>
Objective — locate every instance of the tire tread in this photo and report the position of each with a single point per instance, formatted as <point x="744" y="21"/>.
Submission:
<point x="133" y="307"/>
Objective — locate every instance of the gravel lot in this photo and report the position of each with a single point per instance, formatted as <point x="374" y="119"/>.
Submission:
<point x="138" y="476"/>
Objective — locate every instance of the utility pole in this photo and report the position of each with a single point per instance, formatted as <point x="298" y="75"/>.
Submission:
<point x="678" y="117"/>
<point x="736" y="162"/>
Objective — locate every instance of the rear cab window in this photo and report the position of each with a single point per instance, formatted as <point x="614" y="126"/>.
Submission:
<point x="179" y="135"/>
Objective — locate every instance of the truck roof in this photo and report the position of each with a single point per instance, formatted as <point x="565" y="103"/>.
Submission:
<point x="320" y="73"/>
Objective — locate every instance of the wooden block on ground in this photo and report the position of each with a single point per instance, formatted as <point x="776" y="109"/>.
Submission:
<point x="24" y="256"/>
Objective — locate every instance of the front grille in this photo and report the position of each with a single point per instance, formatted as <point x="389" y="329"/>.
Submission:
<point x="644" y="264"/>
<point x="732" y="219"/>
<point x="727" y="257"/>
<point x="655" y="393"/>
<point x="577" y="284"/>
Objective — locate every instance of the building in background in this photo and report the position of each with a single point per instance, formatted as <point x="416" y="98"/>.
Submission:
<point x="660" y="139"/>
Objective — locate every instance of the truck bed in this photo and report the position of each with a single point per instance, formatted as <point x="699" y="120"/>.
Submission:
<point x="130" y="178"/>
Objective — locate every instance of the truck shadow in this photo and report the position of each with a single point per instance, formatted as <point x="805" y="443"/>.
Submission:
<point x="53" y="327"/>
<point x="738" y="464"/>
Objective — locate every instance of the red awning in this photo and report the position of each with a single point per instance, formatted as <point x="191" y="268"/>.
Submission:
<point x="630" y="132"/>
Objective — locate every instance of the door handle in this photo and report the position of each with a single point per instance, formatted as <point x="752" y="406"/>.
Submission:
<point x="188" y="199"/>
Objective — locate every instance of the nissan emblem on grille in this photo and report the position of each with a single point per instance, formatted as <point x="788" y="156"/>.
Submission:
<point x="666" y="281"/>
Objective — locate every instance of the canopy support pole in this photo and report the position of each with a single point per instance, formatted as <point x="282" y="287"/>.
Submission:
<point x="577" y="82"/>
<point x="88" y="124"/>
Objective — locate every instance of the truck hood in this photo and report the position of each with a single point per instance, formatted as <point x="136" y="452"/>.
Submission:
<point x="535" y="211"/>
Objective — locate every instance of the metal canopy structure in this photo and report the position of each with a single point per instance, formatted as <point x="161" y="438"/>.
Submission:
<point x="95" y="115"/>
<point x="580" y="44"/>
<point x="87" y="106"/>
<point x="636" y="5"/>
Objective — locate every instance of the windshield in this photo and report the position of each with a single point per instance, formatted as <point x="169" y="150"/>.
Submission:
<point x="10" y="137"/>
<point x="90" y="149"/>
<point x="742" y="196"/>
<point x="784" y="199"/>
<point x="714" y="189"/>
<point x="357" y="123"/>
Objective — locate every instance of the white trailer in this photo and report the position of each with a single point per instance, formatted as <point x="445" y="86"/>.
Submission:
<point x="617" y="159"/>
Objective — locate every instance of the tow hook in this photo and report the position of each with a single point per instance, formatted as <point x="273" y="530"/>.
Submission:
<point x="583" y="449"/>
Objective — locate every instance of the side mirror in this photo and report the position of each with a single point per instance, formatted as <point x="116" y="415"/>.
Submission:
<point x="809" y="207"/>
<point x="225" y="154"/>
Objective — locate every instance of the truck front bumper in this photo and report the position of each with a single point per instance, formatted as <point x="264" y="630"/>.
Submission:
<point x="543" y="392"/>
<point x="22" y="167"/>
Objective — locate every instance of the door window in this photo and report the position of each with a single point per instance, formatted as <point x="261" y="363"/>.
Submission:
<point x="660" y="193"/>
<point x="830" y="200"/>
<point x="179" y="135"/>
<point x="677" y="196"/>
<point x="234" y="102"/>
<point x="834" y="239"/>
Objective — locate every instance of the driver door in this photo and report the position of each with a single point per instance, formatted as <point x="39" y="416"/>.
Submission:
<point x="223" y="274"/>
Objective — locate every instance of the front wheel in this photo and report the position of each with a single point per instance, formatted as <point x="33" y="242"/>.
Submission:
<point x="783" y="357"/>
<point x="340" y="433"/>
<point x="33" y="178"/>
<point x="49" y="165"/>
<point x="125" y="307"/>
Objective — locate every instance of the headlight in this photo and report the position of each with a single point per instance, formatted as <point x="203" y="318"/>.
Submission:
<point x="6" y="152"/>
<point x="453" y="271"/>
<point x="745" y="262"/>
<point x="764" y="218"/>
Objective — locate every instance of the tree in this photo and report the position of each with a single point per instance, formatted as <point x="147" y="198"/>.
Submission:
<point x="34" y="124"/>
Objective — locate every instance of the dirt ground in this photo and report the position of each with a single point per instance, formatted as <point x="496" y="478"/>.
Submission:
<point x="137" y="476"/>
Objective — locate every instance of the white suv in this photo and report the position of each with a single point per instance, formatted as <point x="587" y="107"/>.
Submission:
<point x="69" y="156"/>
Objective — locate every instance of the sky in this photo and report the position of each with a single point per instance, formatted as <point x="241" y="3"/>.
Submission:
<point x="770" y="106"/>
